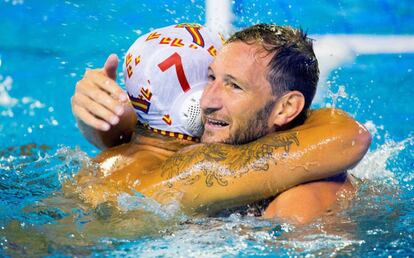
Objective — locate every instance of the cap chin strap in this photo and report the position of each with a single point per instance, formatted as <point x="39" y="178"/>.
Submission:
<point x="180" y="136"/>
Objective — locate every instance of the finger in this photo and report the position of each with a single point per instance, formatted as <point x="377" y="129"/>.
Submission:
<point x="110" y="66"/>
<point x="108" y="85"/>
<point x="89" y="119"/>
<point x="96" y="109"/>
<point x="96" y="94"/>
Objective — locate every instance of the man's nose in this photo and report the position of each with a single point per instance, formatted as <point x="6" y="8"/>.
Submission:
<point x="211" y="100"/>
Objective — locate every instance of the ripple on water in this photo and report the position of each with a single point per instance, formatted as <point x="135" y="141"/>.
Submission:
<point x="380" y="216"/>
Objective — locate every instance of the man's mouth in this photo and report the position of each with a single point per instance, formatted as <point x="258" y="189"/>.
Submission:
<point x="215" y="123"/>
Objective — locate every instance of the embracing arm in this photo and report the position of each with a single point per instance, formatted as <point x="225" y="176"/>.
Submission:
<point x="101" y="107"/>
<point x="210" y="177"/>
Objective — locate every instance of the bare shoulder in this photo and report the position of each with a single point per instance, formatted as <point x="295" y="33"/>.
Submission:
<point x="303" y="203"/>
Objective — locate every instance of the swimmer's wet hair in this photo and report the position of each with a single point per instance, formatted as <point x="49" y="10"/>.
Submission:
<point x="293" y="66"/>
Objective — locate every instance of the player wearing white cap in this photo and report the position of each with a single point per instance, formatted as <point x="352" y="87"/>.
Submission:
<point x="165" y="74"/>
<point x="165" y="71"/>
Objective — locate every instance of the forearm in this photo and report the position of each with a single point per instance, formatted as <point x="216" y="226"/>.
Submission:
<point x="214" y="176"/>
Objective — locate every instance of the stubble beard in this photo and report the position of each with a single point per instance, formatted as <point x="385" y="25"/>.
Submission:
<point x="254" y="128"/>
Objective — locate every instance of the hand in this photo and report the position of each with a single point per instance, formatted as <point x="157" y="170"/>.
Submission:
<point x="98" y="100"/>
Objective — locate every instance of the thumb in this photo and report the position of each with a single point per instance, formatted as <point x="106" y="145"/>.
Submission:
<point x="110" y="66"/>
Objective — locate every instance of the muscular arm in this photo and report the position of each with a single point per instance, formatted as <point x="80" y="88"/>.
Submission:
<point x="210" y="177"/>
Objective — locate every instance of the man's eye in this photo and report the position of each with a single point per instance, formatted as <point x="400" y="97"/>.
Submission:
<point x="234" y="86"/>
<point x="211" y="77"/>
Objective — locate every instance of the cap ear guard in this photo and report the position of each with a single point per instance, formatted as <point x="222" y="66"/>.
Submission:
<point x="165" y="73"/>
<point x="189" y="112"/>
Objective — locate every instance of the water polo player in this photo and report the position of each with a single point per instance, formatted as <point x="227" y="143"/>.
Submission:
<point x="210" y="177"/>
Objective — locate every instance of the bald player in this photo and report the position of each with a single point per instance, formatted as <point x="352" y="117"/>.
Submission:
<point x="209" y="177"/>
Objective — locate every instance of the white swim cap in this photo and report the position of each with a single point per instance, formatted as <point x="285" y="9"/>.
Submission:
<point x="165" y="74"/>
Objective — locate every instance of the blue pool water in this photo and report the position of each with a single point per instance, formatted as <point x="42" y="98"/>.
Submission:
<point x="45" y="47"/>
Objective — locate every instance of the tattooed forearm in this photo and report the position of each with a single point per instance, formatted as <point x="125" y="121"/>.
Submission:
<point x="215" y="162"/>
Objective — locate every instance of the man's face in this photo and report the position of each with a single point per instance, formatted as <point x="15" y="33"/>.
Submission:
<point x="237" y="103"/>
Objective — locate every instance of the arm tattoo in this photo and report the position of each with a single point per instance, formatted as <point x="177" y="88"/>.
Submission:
<point x="215" y="162"/>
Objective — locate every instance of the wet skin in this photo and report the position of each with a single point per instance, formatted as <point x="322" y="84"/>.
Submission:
<point x="183" y="175"/>
<point x="209" y="177"/>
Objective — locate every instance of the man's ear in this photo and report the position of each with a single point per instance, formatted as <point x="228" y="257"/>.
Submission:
<point x="287" y="108"/>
